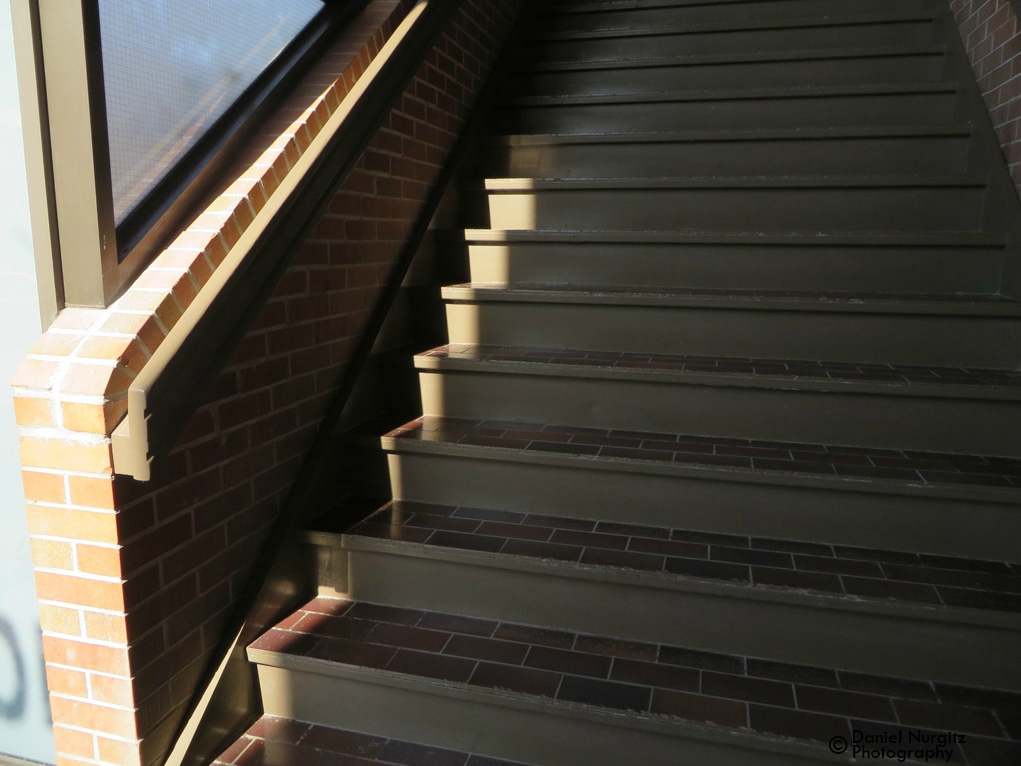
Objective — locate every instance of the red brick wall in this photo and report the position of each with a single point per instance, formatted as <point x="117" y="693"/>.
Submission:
<point x="136" y="579"/>
<point x="992" y="37"/>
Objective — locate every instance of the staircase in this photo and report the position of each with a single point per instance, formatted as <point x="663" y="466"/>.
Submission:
<point x="722" y="461"/>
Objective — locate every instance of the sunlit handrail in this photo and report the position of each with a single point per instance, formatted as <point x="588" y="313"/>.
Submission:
<point x="170" y="385"/>
<point x="228" y="692"/>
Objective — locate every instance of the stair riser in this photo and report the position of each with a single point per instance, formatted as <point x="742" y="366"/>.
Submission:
<point x="734" y="114"/>
<point x="722" y="13"/>
<point x="840" y="418"/>
<point x="639" y="46"/>
<point x="940" y="341"/>
<point x="851" y="156"/>
<point x="745" y="210"/>
<point x="818" y="156"/>
<point x="720" y="621"/>
<point x="529" y="734"/>
<point x="845" y="71"/>
<point x="867" y="269"/>
<point x="846" y="515"/>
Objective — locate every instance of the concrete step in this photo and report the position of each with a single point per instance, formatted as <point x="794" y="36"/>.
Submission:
<point x="940" y="331"/>
<point x="544" y="696"/>
<point x="951" y="505"/>
<point x="906" y="408"/>
<point x="899" y="263"/>
<point x="855" y="66"/>
<point x="804" y="152"/>
<point x="672" y="585"/>
<point x="782" y="204"/>
<point x="620" y="16"/>
<point x="858" y="30"/>
<point x="917" y="104"/>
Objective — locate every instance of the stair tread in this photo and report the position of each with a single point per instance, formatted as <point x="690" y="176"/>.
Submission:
<point x="837" y="571"/>
<point x="763" y="93"/>
<point x="814" y="239"/>
<point x="965" y="381"/>
<point x="590" y="6"/>
<point x="794" y="300"/>
<point x="852" y="466"/>
<point x="788" y="22"/>
<point x="665" y="684"/>
<point x="280" y="741"/>
<point x="526" y="184"/>
<point x="753" y="134"/>
<point x="884" y="51"/>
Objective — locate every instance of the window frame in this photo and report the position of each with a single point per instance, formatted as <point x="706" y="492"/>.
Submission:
<point x="93" y="259"/>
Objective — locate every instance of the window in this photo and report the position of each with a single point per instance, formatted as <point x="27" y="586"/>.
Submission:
<point x="141" y="107"/>
<point x="172" y="68"/>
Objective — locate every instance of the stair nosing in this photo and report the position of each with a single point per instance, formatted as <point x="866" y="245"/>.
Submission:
<point x="830" y="301"/>
<point x="707" y="472"/>
<point x="814" y="599"/>
<point x="525" y="184"/>
<point x="900" y="239"/>
<point x="735" y="94"/>
<point x="710" y="59"/>
<point x="609" y="6"/>
<point x="749" y="135"/>
<point x="790" y="22"/>
<point x="985" y="392"/>
<point x="650" y="722"/>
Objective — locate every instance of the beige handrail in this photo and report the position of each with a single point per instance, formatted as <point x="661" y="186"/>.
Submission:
<point x="168" y="386"/>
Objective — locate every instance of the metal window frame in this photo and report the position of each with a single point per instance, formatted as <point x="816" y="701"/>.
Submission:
<point x="36" y="138"/>
<point x="158" y="215"/>
<point x="72" y="73"/>
<point x="82" y="257"/>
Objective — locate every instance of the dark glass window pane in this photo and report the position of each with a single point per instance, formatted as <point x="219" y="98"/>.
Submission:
<point x="173" y="67"/>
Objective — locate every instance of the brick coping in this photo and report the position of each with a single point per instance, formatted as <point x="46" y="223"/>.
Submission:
<point x="71" y="391"/>
<point x="73" y="383"/>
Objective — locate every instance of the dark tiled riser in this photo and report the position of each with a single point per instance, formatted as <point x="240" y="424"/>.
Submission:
<point x="793" y="368"/>
<point x="727" y="690"/>
<point x="776" y="563"/>
<point x="686" y="449"/>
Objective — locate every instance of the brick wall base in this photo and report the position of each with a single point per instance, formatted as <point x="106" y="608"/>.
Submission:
<point x="992" y="36"/>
